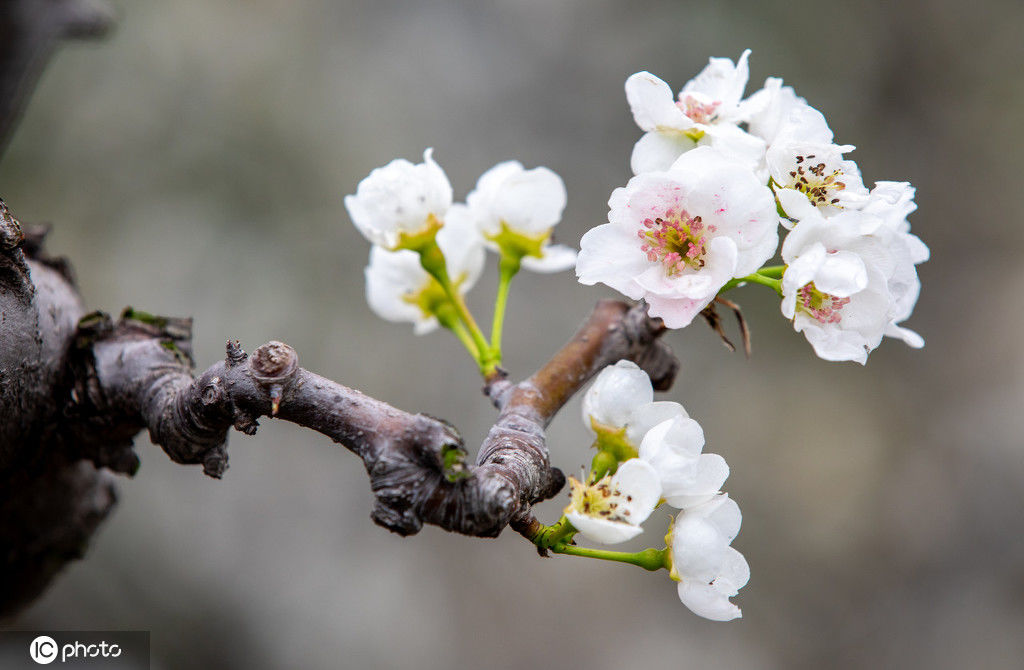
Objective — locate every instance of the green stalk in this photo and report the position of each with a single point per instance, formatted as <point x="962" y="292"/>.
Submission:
<point x="432" y="260"/>
<point x="757" y="278"/>
<point x="773" y="271"/>
<point x="648" y="559"/>
<point x="507" y="268"/>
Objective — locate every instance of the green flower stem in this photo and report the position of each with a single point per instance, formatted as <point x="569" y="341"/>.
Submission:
<point x="432" y="260"/>
<point x="508" y="267"/>
<point x="773" y="271"/>
<point x="448" y="318"/>
<point x="648" y="559"/>
<point x="756" y="278"/>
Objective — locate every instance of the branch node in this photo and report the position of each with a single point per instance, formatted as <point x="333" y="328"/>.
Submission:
<point x="273" y="363"/>
<point x="235" y="354"/>
<point x="11" y="234"/>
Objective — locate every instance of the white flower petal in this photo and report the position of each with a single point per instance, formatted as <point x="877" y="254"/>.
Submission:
<point x="721" y="80"/>
<point x="391" y="277"/>
<point x="795" y="204"/>
<point x="652" y="104"/>
<point x="601" y="530"/>
<point x="911" y="338"/>
<point x="556" y="258"/>
<point x="707" y="601"/>
<point x="462" y="246"/>
<point x="528" y="202"/>
<point x="674" y="444"/>
<point x="842" y="274"/>
<point x="639" y="485"/>
<point x="399" y="198"/>
<point x="657" y="151"/>
<point x="615" y="516"/>
<point x="711" y="473"/>
<point x="611" y="256"/>
<point x="650" y="415"/>
<point x="618" y="390"/>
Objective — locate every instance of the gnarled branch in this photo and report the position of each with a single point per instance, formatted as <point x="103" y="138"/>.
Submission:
<point x="138" y="371"/>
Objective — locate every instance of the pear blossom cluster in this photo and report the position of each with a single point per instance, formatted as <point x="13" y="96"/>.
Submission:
<point x="715" y="176"/>
<point x="723" y="182"/>
<point x="660" y="447"/>
<point x="402" y="209"/>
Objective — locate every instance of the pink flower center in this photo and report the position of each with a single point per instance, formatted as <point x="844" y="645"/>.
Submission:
<point x="823" y="307"/>
<point x="697" y="111"/>
<point x="675" y="240"/>
<point x="811" y="180"/>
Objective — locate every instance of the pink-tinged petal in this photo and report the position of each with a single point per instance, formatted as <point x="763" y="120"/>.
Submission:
<point x="676" y="312"/>
<point x="721" y="80"/>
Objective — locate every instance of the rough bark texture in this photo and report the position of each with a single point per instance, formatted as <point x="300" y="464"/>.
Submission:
<point x="75" y="390"/>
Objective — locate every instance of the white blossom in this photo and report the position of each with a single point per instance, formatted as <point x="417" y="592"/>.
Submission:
<point x="850" y="279"/>
<point x="708" y="570"/>
<point x="816" y="173"/>
<point x="892" y="202"/>
<point x="611" y="510"/>
<point x="675" y="238"/>
<point x="779" y="111"/>
<point x="400" y="200"/>
<point x="688" y="477"/>
<point x="399" y="289"/>
<point x="620" y="406"/>
<point x="525" y="204"/>
<point x="708" y="111"/>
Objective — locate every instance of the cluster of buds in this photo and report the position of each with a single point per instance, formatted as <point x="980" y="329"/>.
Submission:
<point x="428" y="251"/>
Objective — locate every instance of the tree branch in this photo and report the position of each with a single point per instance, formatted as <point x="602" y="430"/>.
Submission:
<point x="138" y="372"/>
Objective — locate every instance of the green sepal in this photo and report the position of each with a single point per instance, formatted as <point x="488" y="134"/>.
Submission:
<point x="422" y="239"/>
<point x="516" y="245"/>
<point x="612" y="448"/>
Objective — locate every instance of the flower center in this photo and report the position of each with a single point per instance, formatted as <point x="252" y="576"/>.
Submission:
<point x="675" y="240"/>
<point x="811" y="179"/>
<point x="600" y="500"/>
<point x="697" y="111"/>
<point x="823" y="307"/>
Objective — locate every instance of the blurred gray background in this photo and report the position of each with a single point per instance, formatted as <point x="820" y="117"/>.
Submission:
<point x="195" y="162"/>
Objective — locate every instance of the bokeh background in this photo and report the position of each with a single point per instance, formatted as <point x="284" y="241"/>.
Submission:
<point x="194" y="163"/>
